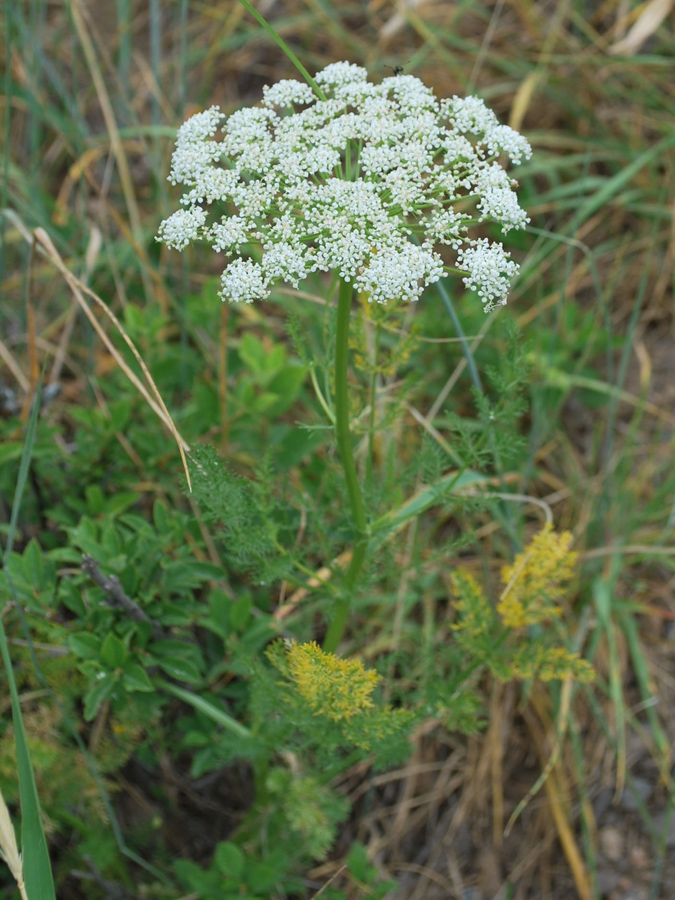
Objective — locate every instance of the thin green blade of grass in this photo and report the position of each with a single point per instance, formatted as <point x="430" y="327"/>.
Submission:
<point x="602" y="594"/>
<point x="209" y="709"/>
<point x="424" y="499"/>
<point x="37" y="868"/>
<point x="606" y="194"/>
<point x="629" y="628"/>
<point x="284" y="46"/>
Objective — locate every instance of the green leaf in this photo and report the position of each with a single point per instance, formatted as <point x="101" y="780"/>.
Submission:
<point x="120" y="411"/>
<point x="111" y="541"/>
<point x="113" y="652"/>
<point x="218" y="620"/>
<point x="9" y="451"/>
<point x="286" y="385"/>
<point x="230" y="860"/>
<point x="179" y="659"/>
<point x="95" y="499"/>
<point x="357" y="863"/>
<point x="264" y="875"/>
<point x="160" y="517"/>
<point x="181" y="670"/>
<point x="33" y="564"/>
<point x="118" y="502"/>
<point x="264" y="401"/>
<point x="86" y="645"/>
<point x="71" y="598"/>
<point x="179" y="613"/>
<point x="189" y="573"/>
<point x="135" y="678"/>
<point x="100" y="691"/>
<point x="252" y="353"/>
<point x="240" y="612"/>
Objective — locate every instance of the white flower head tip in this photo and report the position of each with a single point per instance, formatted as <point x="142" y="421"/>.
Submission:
<point x="341" y="73"/>
<point x="183" y="227"/>
<point x="490" y="271"/>
<point x="364" y="181"/>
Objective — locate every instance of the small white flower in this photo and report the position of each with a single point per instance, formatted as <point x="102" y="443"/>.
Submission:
<point x="497" y="198"/>
<point x="341" y="73"/>
<point x="182" y="227"/>
<point x="400" y="273"/>
<point x="229" y="234"/>
<point x="243" y="280"/>
<point x="447" y="227"/>
<point x="288" y="93"/>
<point x="283" y="260"/>
<point x="490" y="271"/>
<point x="364" y="182"/>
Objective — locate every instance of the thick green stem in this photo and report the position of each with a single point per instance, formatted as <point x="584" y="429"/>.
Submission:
<point x="344" y="442"/>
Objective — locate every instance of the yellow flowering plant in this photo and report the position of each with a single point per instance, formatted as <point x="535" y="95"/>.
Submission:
<point x="535" y="585"/>
<point x="319" y="685"/>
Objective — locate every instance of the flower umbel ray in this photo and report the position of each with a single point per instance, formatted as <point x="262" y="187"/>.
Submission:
<point x="364" y="182"/>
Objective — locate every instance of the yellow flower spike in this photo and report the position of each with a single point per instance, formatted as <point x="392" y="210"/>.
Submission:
<point x="337" y="688"/>
<point x="476" y="611"/>
<point x="550" y="663"/>
<point x="537" y="579"/>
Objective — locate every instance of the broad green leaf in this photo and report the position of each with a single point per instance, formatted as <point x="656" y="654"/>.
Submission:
<point x="252" y="352"/>
<point x="181" y="670"/>
<point x="101" y="690"/>
<point x="86" y="645"/>
<point x="218" y="620"/>
<point x="113" y="652"/>
<point x="286" y="385"/>
<point x="240" y="612"/>
<point x="9" y="451"/>
<point x="230" y="860"/>
<point x="95" y="499"/>
<point x="135" y="678"/>
<point x="118" y="502"/>
<point x="179" y="659"/>
<point x="160" y="517"/>
<point x="71" y="598"/>
<point x="33" y="564"/>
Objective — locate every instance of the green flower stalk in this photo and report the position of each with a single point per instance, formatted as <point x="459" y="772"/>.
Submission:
<point x="363" y="180"/>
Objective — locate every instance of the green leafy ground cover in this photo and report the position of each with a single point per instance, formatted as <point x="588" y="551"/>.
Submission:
<point x="180" y="748"/>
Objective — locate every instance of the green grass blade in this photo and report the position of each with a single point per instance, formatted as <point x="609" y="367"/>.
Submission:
<point x="37" y="868"/>
<point x="284" y="46"/>
<point x="603" y="588"/>
<point x="613" y="185"/>
<point x="208" y="708"/>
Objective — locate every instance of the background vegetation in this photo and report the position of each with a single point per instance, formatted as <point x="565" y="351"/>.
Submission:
<point x="134" y="769"/>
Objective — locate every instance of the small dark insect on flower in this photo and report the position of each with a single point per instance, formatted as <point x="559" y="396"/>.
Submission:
<point x="397" y="70"/>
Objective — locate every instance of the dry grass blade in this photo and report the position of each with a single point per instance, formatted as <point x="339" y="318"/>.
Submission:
<point x="557" y="789"/>
<point x="9" y="850"/>
<point x="79" y="289"/>
<point x="7" y="357"/>
<point x="649" y="20"/>
<point x="555" y="753"/>
<point x="109" y="117"/>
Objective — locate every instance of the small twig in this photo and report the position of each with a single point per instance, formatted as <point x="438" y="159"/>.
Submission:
<point x="116" y="596"/>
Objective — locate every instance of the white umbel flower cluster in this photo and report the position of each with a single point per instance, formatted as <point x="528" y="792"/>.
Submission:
<point x="364" y="182"/>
